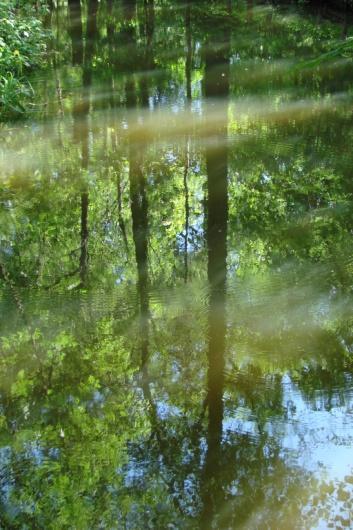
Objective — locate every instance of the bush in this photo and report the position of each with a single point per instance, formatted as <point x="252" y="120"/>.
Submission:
<point x="22" y="47"/>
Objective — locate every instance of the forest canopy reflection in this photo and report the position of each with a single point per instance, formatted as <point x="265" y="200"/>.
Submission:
<point x="176" y="271"/>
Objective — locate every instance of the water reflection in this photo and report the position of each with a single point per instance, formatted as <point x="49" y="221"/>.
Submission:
<point x="216" y="83"/>
<point x="176" y="274"/>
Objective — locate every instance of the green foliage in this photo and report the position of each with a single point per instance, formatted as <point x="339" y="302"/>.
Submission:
<point x="341" y="50"/>
<point x="22" y="47"/>
<point x="13" y="95"/>
<point x="107" y="382"/>
<point x="87" y="405"/>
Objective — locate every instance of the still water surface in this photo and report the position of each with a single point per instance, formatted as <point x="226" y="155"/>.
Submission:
<point x="176" y="273"/>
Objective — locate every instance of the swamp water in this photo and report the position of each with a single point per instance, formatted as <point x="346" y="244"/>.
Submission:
<point x="176" y="271"/>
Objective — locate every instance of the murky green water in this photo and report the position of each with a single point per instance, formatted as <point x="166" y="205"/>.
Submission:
<point x="177" y="272"/>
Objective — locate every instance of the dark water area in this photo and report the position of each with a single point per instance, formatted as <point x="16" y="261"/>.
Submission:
<point x="176" y="272"/>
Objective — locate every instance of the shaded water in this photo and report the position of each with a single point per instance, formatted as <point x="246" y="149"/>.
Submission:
<point x="176" y="274"/>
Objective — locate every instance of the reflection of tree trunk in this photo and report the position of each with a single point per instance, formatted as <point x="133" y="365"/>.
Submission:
<point x="80" y="114"/>
<point x="187" y="210"/>
<point x="211" y="488"/>
<point x="148" y="51"/>
<point x="84" y="237"/>
<point x="110" y="21"/>
<point x="159" y="433"/>
<point x="149" y="21"/>
<point x="121" y="221"/>
<point x="137" y="183"/>
<point x="250" y="8"/>
<point x="5" y="276"/>
<point x="139" y="208"/>
<point x="128" y="39"/>
<point x="48" y="15"/>
<point x="189" y="49"/>
<point x="187" y="154"/>
<point x="216" y="159"/>
<point x="91" y="35"/>
<point x="216" y="84"/>
<point x="75" y="31"/>
<point x="82" y="130"/>
<point x="345" y="20"/>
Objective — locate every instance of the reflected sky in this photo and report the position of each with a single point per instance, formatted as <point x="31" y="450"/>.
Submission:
<point x="176" y="273"/>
